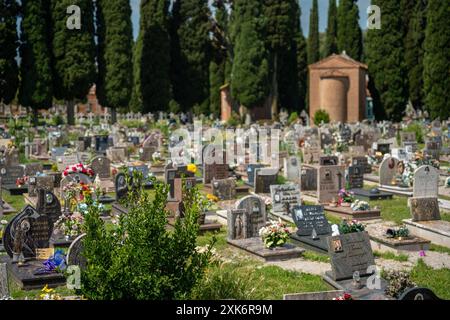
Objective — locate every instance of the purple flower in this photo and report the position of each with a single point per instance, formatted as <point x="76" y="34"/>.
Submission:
<point x="422" y="253"/>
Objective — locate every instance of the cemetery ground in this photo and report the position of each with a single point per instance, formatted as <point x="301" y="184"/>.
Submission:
<point x="241" y="276"/>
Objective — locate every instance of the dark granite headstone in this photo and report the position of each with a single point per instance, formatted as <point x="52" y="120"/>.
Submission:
<point x="121" y="187"/>
<point x="356" y="177"/>
<point x="101" y="167"/>
<point x="328" y="161"/>
<point x="418" y="294"/>
<point x="40" y="223"/>
<point x="251" y="172"/>
<point x="10" y="175"/>
<point x="309" y="218"/>
<point x="40" y="182"/>
<point x="350" y="253"/>
<point x="362" y="162"/>
<point x="264" y="178"/>
<point x="101" y="143"/>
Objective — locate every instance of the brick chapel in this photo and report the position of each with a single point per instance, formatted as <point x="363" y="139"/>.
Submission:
<point x="338" y="85"/>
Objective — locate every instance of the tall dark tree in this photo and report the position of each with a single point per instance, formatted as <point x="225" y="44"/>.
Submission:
<point x="115" y="42"/>
<point x="385" y="58"/>
<point x="74" y="53"/>
<point x="280" y="36"/>
<point x="302" y="61"/>
<point x="192" y="25"/>
<point x="414" y="51"/>
<point x="8" y="51"/>
<point x="437" y="59"/>
<point x="152" y="87"/>
<point x="220" y="56"/>
<point x="331" y="36"/>
<point x="313" y="38"/>
<point x="35" y="51"/>
<point x="349" y="35"/>
<point x="250" y="74"/>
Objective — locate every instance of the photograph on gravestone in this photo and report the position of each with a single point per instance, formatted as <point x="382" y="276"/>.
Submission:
<point x="350" y="253"/>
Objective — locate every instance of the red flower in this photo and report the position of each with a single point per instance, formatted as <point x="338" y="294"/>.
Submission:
<point x="65" y="174"/>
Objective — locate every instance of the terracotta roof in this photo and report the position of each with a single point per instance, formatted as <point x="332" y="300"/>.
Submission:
<point x="343" y="57"/>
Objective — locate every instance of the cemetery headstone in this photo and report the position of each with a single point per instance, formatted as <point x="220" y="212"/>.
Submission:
<point x="264" y="178"/>
<point x="284" y="197"/>
<point x="356" y="177"/>
<point x="292" y="168"/>
<point x="75" y="253"/>
<point x="36" y="183"/>
<point x="426" y="182"/>
<point x="101" y="167"/>
<point x="224" y="189"/>
<point x="255" y="208"/>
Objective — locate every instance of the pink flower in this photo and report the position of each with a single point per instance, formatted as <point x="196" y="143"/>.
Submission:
<point x="422" y="253"/>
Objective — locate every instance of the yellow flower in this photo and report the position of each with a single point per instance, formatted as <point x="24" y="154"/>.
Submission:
<point x="192" y="168"/>
<point x="46" y="289"/>
<point x="212" y="197"/>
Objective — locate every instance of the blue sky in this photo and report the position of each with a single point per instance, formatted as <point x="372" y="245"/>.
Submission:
<point x="306" y="7"/>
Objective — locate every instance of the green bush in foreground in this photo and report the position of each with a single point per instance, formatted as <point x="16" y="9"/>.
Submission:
<point x="140" y="259"/>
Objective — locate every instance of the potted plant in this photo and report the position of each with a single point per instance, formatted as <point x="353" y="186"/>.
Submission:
<point x="345" y="198"/>
<point x="275" y="234"/>
<point x="351" y="227"/>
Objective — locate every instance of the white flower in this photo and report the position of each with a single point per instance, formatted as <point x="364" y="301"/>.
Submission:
<point x="4" y="222"/>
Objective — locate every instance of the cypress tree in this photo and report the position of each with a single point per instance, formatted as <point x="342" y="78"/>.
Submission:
<point x="302" y="61"/>
<point x="74" y="54"/>
<point x="280" y="34"/>
<point x="152" y="57"/>
<point x="115" y="42"/>
<point x="349" y="35"/>
<point x="250" y="73"/>
<point x="35" y="51"/>
<point x="313" y="39"/>
<point x="331" y="36"/>
<point x="437" y="59"/>
<point x="385" y="59"/>
<point x="194" y="54"/>
<point x="414" y="52"/>
<point x="219" y="59"/>
<point x="8" y="45"/>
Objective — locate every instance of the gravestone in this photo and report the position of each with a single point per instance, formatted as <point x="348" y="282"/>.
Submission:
<point x="251" y="172"/>
<point x="85" y="143"/>
<point x="146" y="153"/>
<point x="292" y="168"/>
<point x="75" y="253"/>
<point x="264" y="178"/>
<point x="84" y="157"/>
<point x="101" y="143"/>
<point x="101" y="167"/>
<point x="312" y="227"/>
<point x="356" y="151"/>
<point x="350" y="253"/>
<point x="67" y="161"/>
<point x="171" y="173"/>
<point x="121" y="186"/>
<point x="418" y="294"/>
<point x="238" y="224"/>
<point x="407" y="137"/>
<point x="311" y="155"/>
<point x="10" y="175"/>
<point x="363" y="162"/>
<point x="284" y="197"/>
<point x="215" y="171"/>
<point x="11" y="157"/>
<point x="424" y="209"/>
<point x="309" y="218"/>
<point x="224" y="189"/>
<point x="432" y="149"/>
<point x="356" y="177"/>
<point x="80" y="178"/>
<point x="330" y="180"/>
<point x="426" y="182"/>
<point x="36" y="223"/>
<point x="308" y="179"/>
<point x="58" y="152"/>
<point x="46" y="183"/>
<point x="255" y="208"/>
<point x="31" y="169"/>
<point x="388" y="171"/>
<point x="328" y="161"/>
<point x="117" y="155"/>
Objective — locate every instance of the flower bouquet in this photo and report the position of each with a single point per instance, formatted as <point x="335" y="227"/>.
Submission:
<point x="274" y="234"/>
<point x="22" y="181"/>
<point x="70" y="225"/>
<point x="352" y="227"/>
<point x="345" y="296"/>
<point x="345" y="198"/>
<point x="400" y="233"/>
<point x="359" y="205"/>
<point x="78" y="168"/>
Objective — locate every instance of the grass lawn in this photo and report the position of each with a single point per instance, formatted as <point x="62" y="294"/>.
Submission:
<point x="314" y="256"/>
<point x="436" y="280"/>
<point x="391" y="256"/>
<point x="393" y="210"/>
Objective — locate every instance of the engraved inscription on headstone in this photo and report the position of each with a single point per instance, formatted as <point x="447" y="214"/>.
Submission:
<point x="356" y="177"/>
<point x="426" y="182"/>
<point x="284" y="197"/>
<point x="424" y="209"/>
<point x="224" y="189"/>
<point x="256" y="211"/>
<point x="101" y="167"/>
<point x="309" y="218"/>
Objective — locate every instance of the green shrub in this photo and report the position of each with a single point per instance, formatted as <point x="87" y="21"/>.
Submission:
<point x="417" y="129"/>
<point x="174" y="106"/>
<point x="234" y="120"/>
<point x="321" y="116"/>
<point x="141" y="259"/>
<point x="57" y="120"/>
<point x="293" y="117"/>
